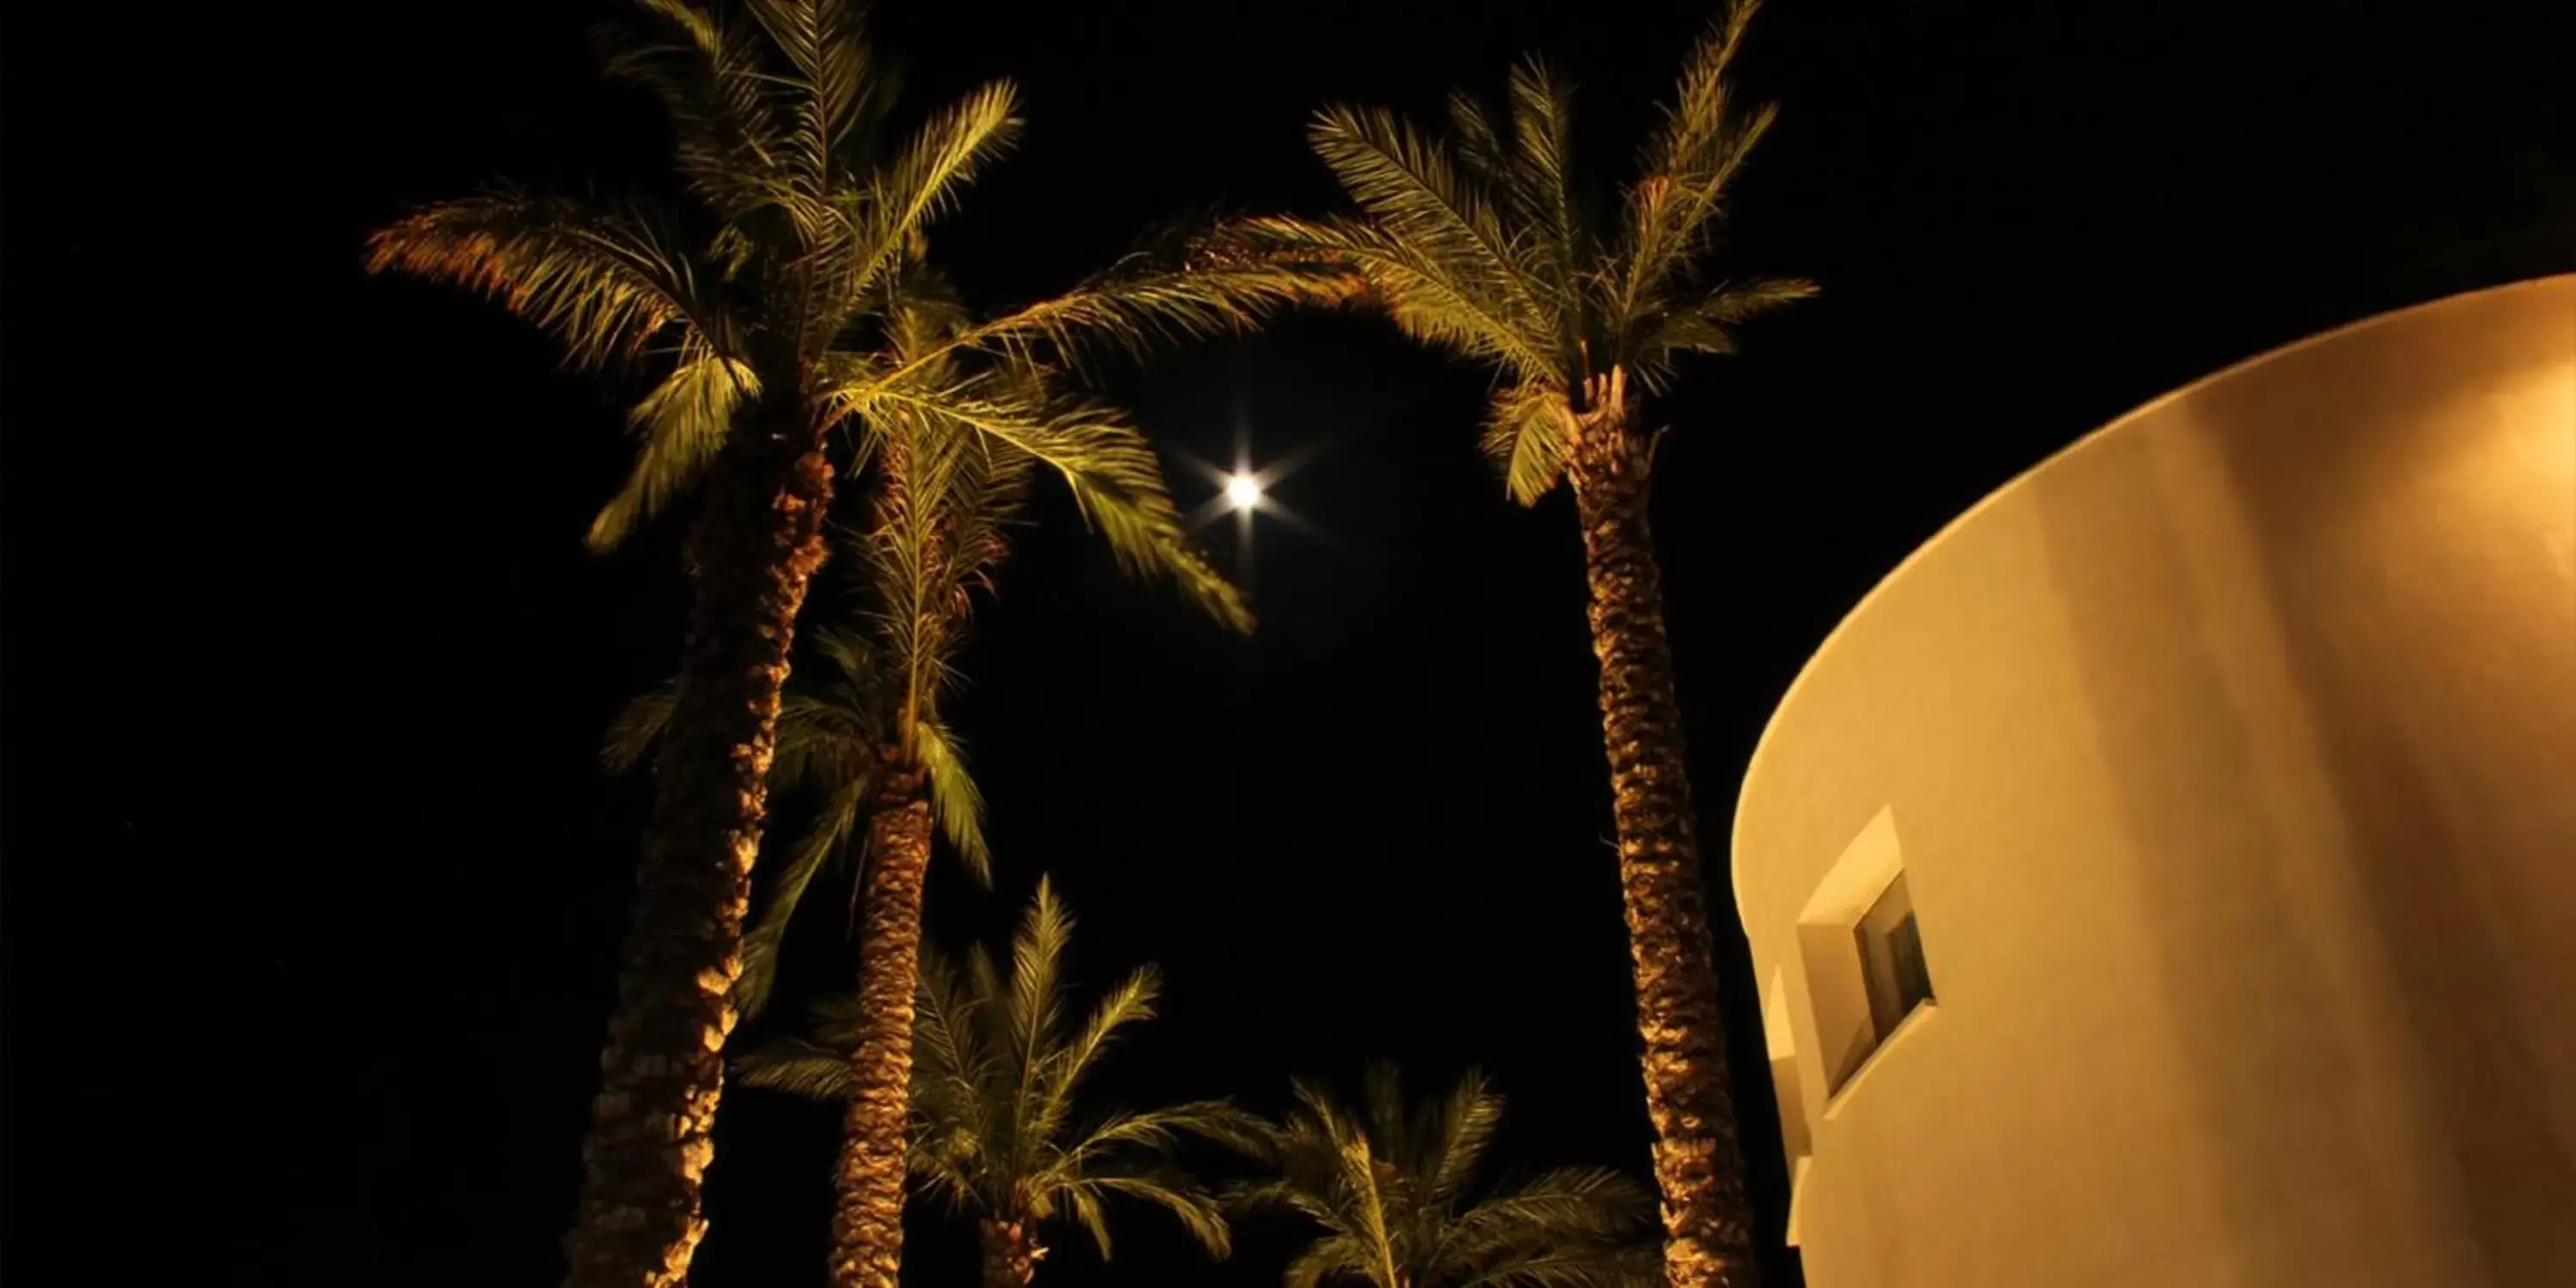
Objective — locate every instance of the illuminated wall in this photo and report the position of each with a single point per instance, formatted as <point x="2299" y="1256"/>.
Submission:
<point x="2228" y="762"/>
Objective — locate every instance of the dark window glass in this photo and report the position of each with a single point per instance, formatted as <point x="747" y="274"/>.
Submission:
<point x="1891" y="958"/>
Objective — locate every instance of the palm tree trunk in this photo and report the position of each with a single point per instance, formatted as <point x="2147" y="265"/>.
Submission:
<point x="757" y="544"/>
<point x="1698" y="1164"/>
<point x="1010" y="1253"/>
<point x="867" y="1221"/>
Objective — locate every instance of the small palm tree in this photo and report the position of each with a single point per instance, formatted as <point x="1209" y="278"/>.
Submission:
<point x="1478" y="244"/>
<point x="995" y="1074"/>
<point x="762" y="312"/>
<point x="1393" y="1192"/>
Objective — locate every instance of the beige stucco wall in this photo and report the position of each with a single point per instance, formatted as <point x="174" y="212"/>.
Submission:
<point x="2231" y="757"/>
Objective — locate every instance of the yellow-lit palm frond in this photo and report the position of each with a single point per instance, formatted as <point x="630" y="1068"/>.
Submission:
<point x="707" y="72"/>
<point x="1706" y="321"/>
<point x="995" y="1078"/>
<point x="1686" y="169"/>
<point x="1143" y="300"/>
<point x="637" y="727"/>
<point x="1539" y="179"/>
<point x="1528" y="431"/>
<point x="1423" y="294"/>
<point x="799" y="1068"/>
<point x="954" y="796"/>
<point x="681" y="423"/>
<point x="1104" y="460"/>
<point x="815" y="66"/>
<point x="922" y="181"/>
<point x="829" y="834"/>
<point x="1476" y="243"/>
<point x="606" y="282"/>
<point x="1411" y="188"/>
<point x="1392" y="1193"/>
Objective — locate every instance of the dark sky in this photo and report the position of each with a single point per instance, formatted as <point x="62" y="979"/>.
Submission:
<point x="313" y="889"/>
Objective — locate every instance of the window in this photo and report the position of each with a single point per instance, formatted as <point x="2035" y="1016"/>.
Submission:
<point x="1891" y="959"/>
<point x="1863" y="953"/>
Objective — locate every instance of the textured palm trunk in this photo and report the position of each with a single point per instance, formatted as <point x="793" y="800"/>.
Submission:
<point x="1011" y="1253"/>
<point x="757" y="544"/>
<point x="1698" y="1164"/>
<point x="867" y="1219"/>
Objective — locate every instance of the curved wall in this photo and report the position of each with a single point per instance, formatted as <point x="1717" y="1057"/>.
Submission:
<point x="2230" y="760"/>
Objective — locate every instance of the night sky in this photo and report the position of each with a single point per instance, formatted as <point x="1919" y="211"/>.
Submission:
<point x="313" y="886"/>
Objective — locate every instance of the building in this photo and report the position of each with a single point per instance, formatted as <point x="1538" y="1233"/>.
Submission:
<point x="2167" y="876"/>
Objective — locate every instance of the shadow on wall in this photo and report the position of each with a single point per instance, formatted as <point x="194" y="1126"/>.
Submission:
<point x="2442" y="692"/>
<point x="2179" y="741"/>
<point x="2382" y="638"/>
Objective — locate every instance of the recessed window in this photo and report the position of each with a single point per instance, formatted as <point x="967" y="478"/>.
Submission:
<point x="1891" y="959"/>
<point x="1863" y="953"/>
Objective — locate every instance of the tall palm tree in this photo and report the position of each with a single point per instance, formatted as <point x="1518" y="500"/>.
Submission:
<point x="1478" y="244"/>
<point x="995" y="1074"/>
<point x="868" y="738"/>
<point x="1394" y="1192"/>
<point x="759" y="311"/>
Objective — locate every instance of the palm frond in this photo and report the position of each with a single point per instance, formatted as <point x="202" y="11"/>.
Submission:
<point x="1084" y="1199"/>
<point x="953" y="1070"/>
<point x="1332" y="1257"/>
<point x="1034" y="1007"/>
<point x="944" y="1028"/>
<point x="707" y="72"/>
<point x="1687" y="167"/>
<point x="1480" y="145"/>
<point x="1572" y="1203"/>
<point x="1706" y="325"/>
<point x="826" y="736"/>
<point x="1142" y="301"/>
<point x="1388" y="1187"/>
<point x="1359" y="1176"/>
<point x="637" y="728"/>
<point x="682" y="424"/>
<point x="1462" y="1129"/>
<point x="922" y="181"/>
<point x="604" y="282"/>
<point x="838" y="1020"/>
<point x="795" y="30"/>
<point x="954" y="796"/>
<point x="1695" y="124"/>
<point x="1382" y="1101"/>
<point x="1197" y="1213"/>
<point x="797" y="1067"/>
<point x="829" y="834"/>
<point x="1539" y="180"/>
<point x="1131" y="1002"/>
<point x="1633" y="1266"/>
<point x="1422" y="295"/>
<point x="1410" y="187"/>
<point x="1112" y="472"/>
<point x="1528" y="432"/>
<point x="991" y="1096"/>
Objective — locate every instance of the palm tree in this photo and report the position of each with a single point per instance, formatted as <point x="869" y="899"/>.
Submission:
<point x="1477" y="244"/>
<point x="868" y="740"/>
<point x="1392" y="1191"/>
<point x="995" y="1073"/>
<point x="760" y="312"/>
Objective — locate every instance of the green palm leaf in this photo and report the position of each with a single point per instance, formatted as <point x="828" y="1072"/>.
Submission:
<point x="1392" y="1194"/>
<point x="682" y="422"/>
<point x="995" y="1077"/>
<point x="604" y="281"/>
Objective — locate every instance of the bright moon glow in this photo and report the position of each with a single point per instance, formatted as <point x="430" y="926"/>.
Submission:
<point x="1243" y="490"/>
